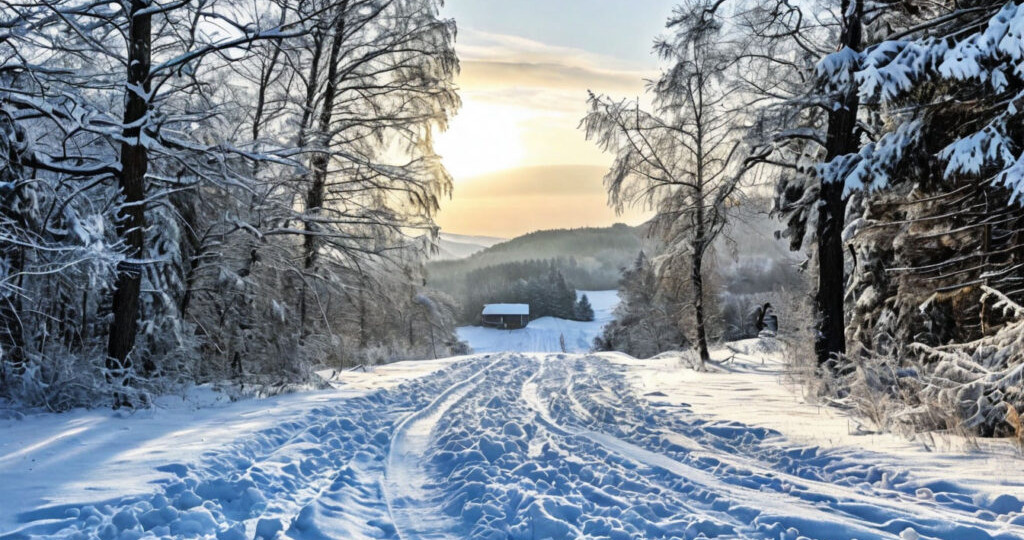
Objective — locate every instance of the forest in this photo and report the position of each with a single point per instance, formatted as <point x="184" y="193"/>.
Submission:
<point x="542" y="284"/>
<point x="890" y="136"/>
<point x="591" y="258"/>
<point x="213" y="191"/>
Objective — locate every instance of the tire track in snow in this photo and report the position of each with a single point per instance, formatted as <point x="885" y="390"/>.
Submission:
<point x="625" y="451"/>
<point x="412" y="502"/>
<point x="509" y="475"/>
<point x="643" y="457"/>
<point x="316" y="475"/>
<point x="804" y="503"/>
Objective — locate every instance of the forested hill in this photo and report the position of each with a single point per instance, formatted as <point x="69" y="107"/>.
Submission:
<point x="591" y="257"/>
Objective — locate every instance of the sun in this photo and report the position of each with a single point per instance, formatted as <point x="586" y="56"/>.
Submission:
<point x="483" y="138"/>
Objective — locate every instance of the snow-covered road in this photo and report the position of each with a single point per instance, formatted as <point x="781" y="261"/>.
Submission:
<point x="519" y="445"/>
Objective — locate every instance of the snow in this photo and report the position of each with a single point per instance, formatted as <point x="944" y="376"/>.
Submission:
<point x="752" y="388"/>
<point x="511" y="445"/>
<point x="889" y="71"/>
<point x="545" y="334"/>
<point x="506" y="309"/>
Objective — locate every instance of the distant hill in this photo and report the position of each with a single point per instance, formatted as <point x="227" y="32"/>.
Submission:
<point x="459" y="246"/>
<point x="587" y="258"/>
<point x="594" y="254"/>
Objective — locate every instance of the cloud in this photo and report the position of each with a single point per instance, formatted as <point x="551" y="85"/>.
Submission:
<point x="478" y="74"/>
<point x="500" y="68"/>
<point x="477" y="45"/>
<point x="541" y="180"/>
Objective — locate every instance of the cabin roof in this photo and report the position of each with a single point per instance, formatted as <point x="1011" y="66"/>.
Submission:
<point x="507" y="309"/>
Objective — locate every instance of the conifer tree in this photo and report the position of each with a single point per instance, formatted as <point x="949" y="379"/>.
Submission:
<point x="583" y="310"/>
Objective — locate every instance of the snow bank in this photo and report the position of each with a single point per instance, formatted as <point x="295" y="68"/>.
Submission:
<point x="751" y="387"/>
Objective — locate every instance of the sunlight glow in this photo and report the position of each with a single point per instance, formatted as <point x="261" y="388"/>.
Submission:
<point x="483" y="138"/>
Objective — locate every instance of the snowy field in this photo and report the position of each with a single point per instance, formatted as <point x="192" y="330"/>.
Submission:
<point x="511" y="445"/>
<point x="542" y="335"/>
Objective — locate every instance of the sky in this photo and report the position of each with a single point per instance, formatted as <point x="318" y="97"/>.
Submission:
<point x="519" y="160"/>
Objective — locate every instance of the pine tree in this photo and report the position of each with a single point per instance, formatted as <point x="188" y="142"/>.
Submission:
<point x="583" y="311"/>
<point x="644" y="324"/>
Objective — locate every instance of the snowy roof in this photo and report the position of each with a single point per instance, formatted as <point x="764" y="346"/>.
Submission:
<point x="507" y="309"/>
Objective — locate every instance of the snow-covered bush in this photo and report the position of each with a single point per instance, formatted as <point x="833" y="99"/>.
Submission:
<point x="976" y="387"/>
<point x="982" y="379"/>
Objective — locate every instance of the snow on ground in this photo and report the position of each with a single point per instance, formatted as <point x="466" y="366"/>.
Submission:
<point x="240" y="470"/>
<point x="751" y="387"/>
<point x="511" y="445"/>
<point x="543" y="335"/>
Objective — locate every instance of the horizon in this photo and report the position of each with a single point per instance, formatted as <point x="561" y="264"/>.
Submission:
<point x="460" y="237"/>
<point x="493" y="204"/>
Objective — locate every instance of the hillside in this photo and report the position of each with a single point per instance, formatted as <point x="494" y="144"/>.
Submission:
<point x="598" y="253"/>
<point x="459" y="246"/>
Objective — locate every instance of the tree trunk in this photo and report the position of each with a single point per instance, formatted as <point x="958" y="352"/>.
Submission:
<point x="265" y="77"/>
<point x="12" y="332"/>
<point x="12" y="338"/>
<point x="320" y="161"/>
<point x="134" y="165"/>
<point x="830" y="339"/>
<point x="700" y="240"/>
<point x="433" y="345"/>
<point x="698" y="306"/>
<point x="364" y="337"/>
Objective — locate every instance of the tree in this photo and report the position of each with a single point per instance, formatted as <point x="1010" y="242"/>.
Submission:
<point x="583" y="311"/>
<point x="842" y="138"/>
<point x="930" y="179"/>
<point x="13" y="221"/>
<point x="680" y="159"/>
<point x="939" y="221"/>
<point x="128" y="77"/>
<point x="374" y="81"/>
<point x="644" y="323"/>
<point x="806" y="123"/>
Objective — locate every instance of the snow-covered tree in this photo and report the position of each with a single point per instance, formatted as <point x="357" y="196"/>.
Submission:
<point x="186" y="168"/>
<point x="681" y="159"/>
<point x="935" y="224"/>
<point x="646" y="322"/>
<point x="805" y="125"/>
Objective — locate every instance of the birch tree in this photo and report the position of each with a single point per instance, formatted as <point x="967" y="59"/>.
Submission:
<point x="680" y="159"/>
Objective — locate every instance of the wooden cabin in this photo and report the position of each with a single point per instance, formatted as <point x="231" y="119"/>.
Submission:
<point x="506" y="316"/>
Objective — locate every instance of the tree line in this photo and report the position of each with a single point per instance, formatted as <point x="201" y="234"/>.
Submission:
<point x="590" y="258"/>
<point x="199" y="190"/>
<point x="890" y="133"/>
<point x="540" y="283"/>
